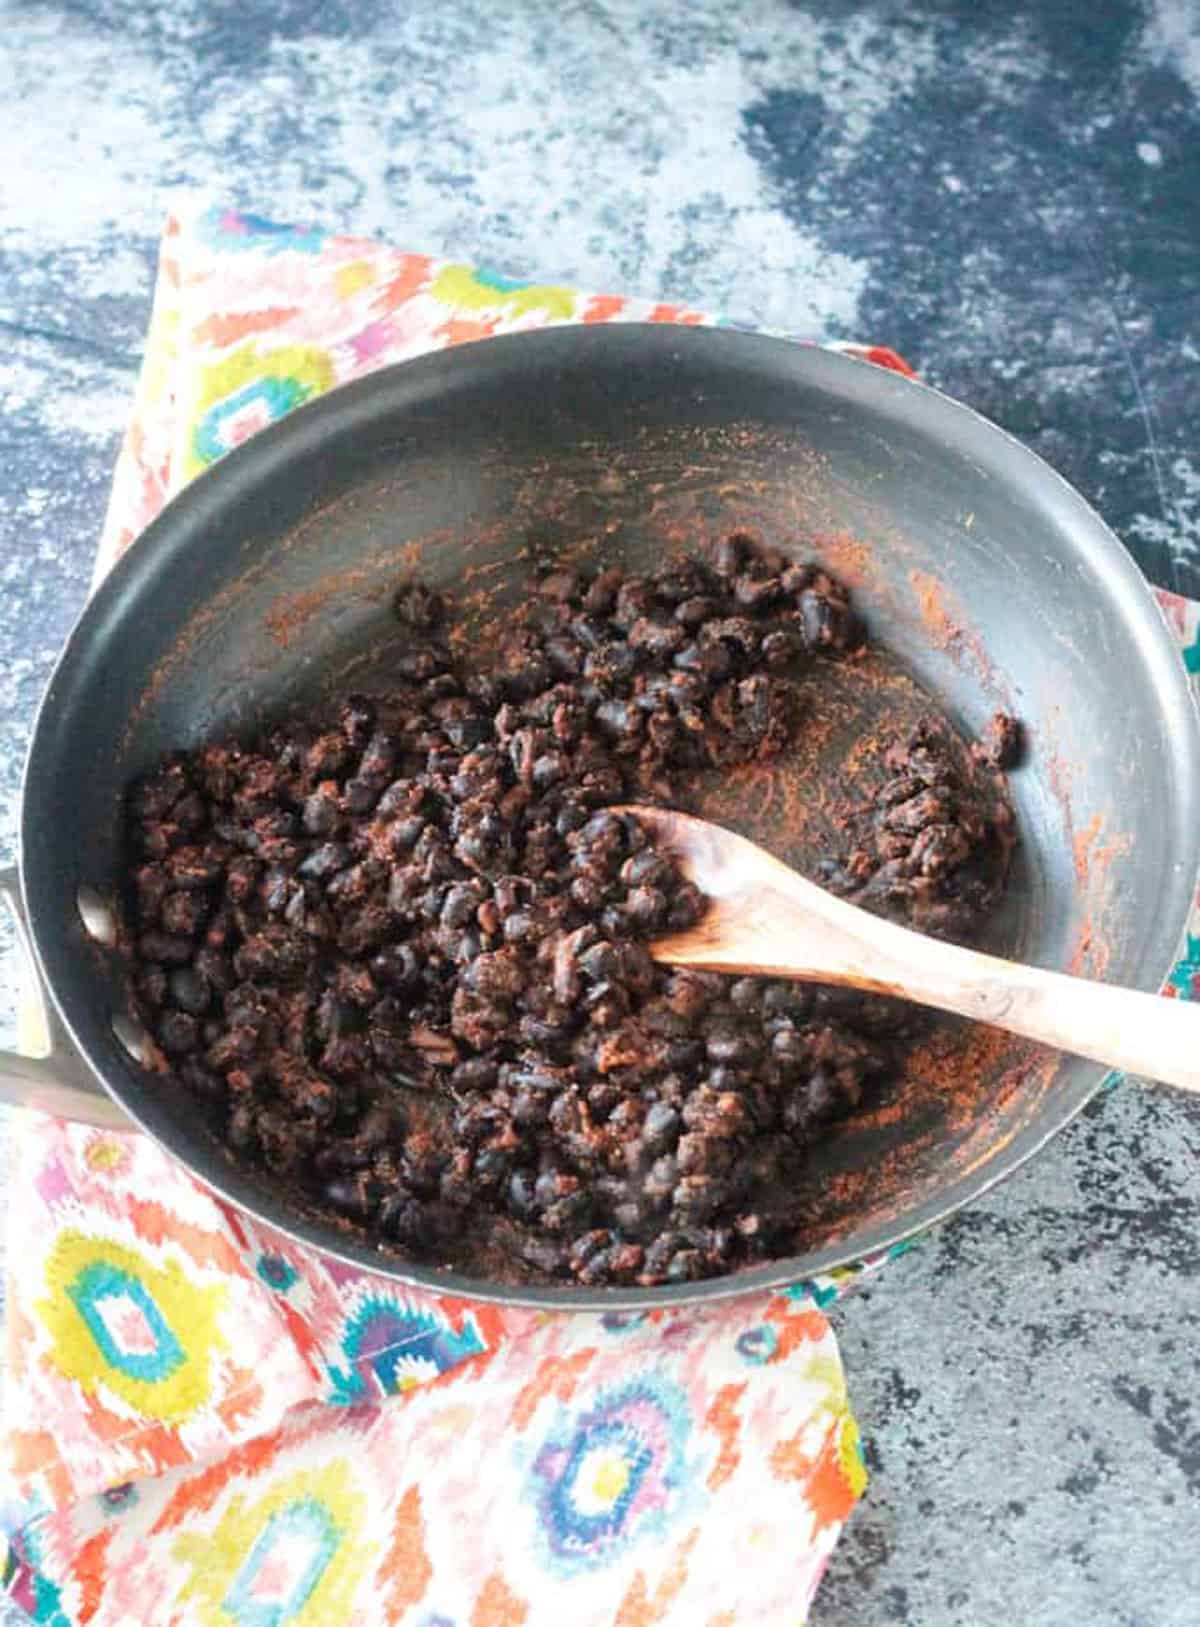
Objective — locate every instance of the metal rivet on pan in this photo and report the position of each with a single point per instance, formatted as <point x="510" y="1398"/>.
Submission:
<point x="99" y="922"/>
<point x="131" y="1036"/>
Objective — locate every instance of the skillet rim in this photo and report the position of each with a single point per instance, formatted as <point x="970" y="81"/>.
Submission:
<point x="409" y="384"/>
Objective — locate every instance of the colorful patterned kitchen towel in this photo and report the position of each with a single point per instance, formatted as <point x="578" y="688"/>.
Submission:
<point x="215" y="1427"/>
<point x="205" y="1424"/>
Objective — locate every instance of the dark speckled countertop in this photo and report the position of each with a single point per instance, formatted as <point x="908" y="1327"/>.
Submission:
<point x="1007" y="193"/>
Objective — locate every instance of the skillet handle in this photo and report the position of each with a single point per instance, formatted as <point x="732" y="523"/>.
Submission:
<point x="59" y="1081"/>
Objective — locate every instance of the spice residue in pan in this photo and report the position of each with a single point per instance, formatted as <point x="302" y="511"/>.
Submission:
<point x="397" y="955"/>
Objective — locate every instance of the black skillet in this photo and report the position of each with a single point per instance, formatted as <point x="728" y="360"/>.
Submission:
<point x="988" y="581"/>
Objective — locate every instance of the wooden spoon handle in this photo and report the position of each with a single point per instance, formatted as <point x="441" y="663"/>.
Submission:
<point x="1137" y="1033"/>
<point x="825" y="940"/>
<point x="764" y="919"/>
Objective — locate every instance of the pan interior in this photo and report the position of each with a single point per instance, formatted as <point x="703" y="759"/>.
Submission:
<point x="985" y="583"/>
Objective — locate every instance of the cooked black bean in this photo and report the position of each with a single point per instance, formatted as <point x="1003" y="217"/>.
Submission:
<point x="426" y="900"/>
<point x="190" y="991"/>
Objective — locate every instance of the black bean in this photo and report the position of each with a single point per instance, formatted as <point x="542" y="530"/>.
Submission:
<point x="477" y="1073"/>
<point x="178" y="1033"/>
<point x="731" y="553"/>
<point x="158" y="946"/>
<point x="725" y="1042"/>
<point x="241" y="1132"/>
<point x="433" y="901"/>
<point x="520" y="1194"/>
<point x="708" y="661"/>
<point x="353" y="1195"/>
<point x="660" y="1131"/>
<point x="782" y="647"/>
<point x="357" y="719"/>
<point x="567" y="1213"/>
<point x="646" y="908"/>
<point x="184" y="913"/>
<point x="417" y="606"/>
<point x="362" y="793"/>
<point x="789" y="1046"/>
<point x="190" y="991"/>
<point x="327" y="758"/>
<point x="152" y="985"/>
<point x="405" y="1220"/>
<point x="686" y="1266"/>
<point x="703" y="1155"/>
<point x="397" y="966"/>
<point x="746" y="994"/>
<point x="460" y="904"/>
<point x="821" y="1095"/>
<point x="325" y="861"/>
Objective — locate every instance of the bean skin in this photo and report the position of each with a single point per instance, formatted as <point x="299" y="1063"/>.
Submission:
<point x="396" y="955"/>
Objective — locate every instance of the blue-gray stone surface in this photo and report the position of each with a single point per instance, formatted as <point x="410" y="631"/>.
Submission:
<point x="1007" y="193"/>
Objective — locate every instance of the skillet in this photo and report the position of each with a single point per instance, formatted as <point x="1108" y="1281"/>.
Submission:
<point x="984" y="579"/>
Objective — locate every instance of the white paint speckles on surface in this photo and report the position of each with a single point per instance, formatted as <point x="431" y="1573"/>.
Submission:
<point x="32" y="503"/>
<point x="87" y="400"/>
<point x="79" y="161"/>
<point x="117" y="271"/>
<point x="630" y="194"/>
<point x="1172" y="38"/>
<point x="1150" y="153"/>
<point x="1179" y="529"/>
<point x="548" y="177"/>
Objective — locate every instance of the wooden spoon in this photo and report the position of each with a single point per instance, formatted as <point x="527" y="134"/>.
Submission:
<point x="765" y="919"/>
